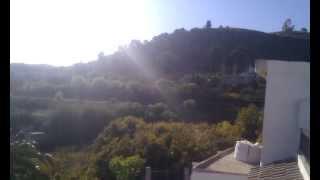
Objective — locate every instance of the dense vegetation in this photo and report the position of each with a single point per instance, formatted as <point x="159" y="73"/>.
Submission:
<point x="128" y="144"/>
<point x="163" y="103"/>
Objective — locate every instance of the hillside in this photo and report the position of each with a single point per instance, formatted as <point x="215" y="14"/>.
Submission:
<point x="293" y="34"/>
<point x="165" y="103"/>
<point x="194" y="51"/>
<point x="179" y="75"/>
<point x="169" y="56"/>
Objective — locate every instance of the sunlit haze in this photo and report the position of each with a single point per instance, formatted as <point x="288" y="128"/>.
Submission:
<point x="64" y="32"/>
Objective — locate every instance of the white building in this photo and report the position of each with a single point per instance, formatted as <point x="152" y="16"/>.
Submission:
<point x="286" y="127"/>
<point x="286" y="122"/>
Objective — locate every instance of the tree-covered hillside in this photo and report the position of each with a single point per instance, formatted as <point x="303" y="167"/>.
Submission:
<point x="177" y="98"/>
<point x="198" y="50"/>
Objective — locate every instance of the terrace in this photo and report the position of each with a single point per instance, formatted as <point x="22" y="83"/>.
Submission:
<point x="223" y="165"/>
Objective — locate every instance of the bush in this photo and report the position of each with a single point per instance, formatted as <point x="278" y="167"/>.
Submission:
<point x="25" y="159"/>
<point x="249" y="120"/>
<point x="126" y="168"/>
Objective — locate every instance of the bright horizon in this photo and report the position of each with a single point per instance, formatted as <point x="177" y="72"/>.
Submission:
<point x="63" y="33"/>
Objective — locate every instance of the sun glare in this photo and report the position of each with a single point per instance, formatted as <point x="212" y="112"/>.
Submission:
<point x="61" y="32"/>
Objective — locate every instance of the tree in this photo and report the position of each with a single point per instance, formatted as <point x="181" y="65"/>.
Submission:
<point x="25" y="160"/>
<point x="240" y="58"/>
<point x="154" y="111"/>
<point x="126" y="168"/>
<point x="157" y="156"/>
<point x="227" y="130"/>
<point x="208" y="24"/>
<point x="226" y="134"/>
<point x="249" y="120"/>
<point x="216" y="56"/>
<point x="287" y="26"/>
<point x="304" y="29"/>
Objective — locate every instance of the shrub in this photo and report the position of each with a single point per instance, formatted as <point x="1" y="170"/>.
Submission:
<point x="249" y="120"/>
<point x="126" y="168"/>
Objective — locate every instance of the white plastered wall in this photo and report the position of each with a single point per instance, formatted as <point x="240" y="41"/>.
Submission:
<point x="288" y="84"/>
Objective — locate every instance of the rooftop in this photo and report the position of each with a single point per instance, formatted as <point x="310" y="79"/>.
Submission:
<point x="224" y="162"/>
<point x="229" y="164"/>
<point x="286" y="170"/>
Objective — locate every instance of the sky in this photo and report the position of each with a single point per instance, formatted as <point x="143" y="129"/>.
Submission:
<point x="65" y="32"/>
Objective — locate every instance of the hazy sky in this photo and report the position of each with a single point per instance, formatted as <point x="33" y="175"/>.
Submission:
<point x="64" y="32"/>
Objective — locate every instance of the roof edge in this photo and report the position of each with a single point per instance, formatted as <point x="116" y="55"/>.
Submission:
<point x="205" y="163"/>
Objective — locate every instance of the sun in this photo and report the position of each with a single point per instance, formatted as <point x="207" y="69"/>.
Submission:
<point x="60" y="32"/>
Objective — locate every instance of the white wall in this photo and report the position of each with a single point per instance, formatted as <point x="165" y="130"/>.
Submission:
<point x="304" y="170"/>
<point x="216" y="176"/>
<point x="304" y="114"/>
<point x="288" y="84"/>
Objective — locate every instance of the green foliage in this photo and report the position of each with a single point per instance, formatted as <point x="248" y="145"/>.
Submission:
<point x="129" y="143"/>
<point x="126" y="168"/>
<point x="226" y="129"/>
<point x="287" y="26"/>
<point x="208" y="24"/>
<point x="25" y="161"/>
<point x="200" y="50"/>
<point x="106" y="105"/>
<point x="250" y="121"/>
<point x="226" y="134"/>
<point x="259" y="139"/>
<point x="169" y="69"/>
<point x="155" y="111"/>
<point x="164" y="144"/>
<point x="80" y="119"/>
<point x="304" y="29"/>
